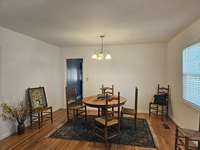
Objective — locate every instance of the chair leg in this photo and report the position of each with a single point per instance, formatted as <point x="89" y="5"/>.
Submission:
<point x="41" y="117"/>
<point x="85" y="112"/>
<point x="67" y="114"/>
<point x="74" y="114"/>
<point x="51" y="116"/>
<point x="157" y="109"/>
<point x="106" y="134"/>
<point x="119" y="127"/>
<point x="149" y="110"/>
<point x="186" y="143"/>
<point x="167" y="110"/>
<point x="113" y="111"/>
<point x="121" y="117"/>
<point x="176" y="138"/>
<point x="77" y="114"/>
<point x="135" y="118"/>
<point x="198" y="145"/>
<point x="98" y="112"/>
<point x="31" y="119"/>
<point x="162" y="112"/>
<point x="39" y="123"/>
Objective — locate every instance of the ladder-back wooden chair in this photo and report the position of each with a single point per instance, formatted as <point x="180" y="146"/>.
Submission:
<point x="185" y="139"/>
<point x="108" y="126"/>
<point x="75" y="107"/>
<point x="131" y="111"/>
<point x="39" y="109"/>
<point x="106" y="90"/>
<point x="160" y="101"/>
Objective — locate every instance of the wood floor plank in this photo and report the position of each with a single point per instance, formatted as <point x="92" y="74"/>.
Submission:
<point x="37" y="139"/>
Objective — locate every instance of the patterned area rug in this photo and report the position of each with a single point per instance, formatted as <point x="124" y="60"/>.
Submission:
<point x="83" y="130"/>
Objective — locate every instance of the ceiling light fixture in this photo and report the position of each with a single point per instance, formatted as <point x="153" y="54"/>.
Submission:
<point x="102" y="54"/>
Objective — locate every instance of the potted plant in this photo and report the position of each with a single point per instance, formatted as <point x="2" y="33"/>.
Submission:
<point x="15" y="113"/>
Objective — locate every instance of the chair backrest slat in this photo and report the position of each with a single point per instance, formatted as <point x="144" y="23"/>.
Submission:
<point x="163" y="90"/>
<point x="107" y="90"/>
<point x="71" y="94"/>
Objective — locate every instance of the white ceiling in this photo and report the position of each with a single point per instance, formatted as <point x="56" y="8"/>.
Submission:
<point x="78" y="22"/>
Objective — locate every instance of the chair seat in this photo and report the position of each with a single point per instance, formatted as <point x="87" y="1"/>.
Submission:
<point x="128" y="111"/>
<point x="76" y="107"/>
<point x="37" y="110"/>
<point x="111" y="121"/>
<point x="153" y="103"/>
<point x="71" y="101"/>
<point x="191" y="134"/>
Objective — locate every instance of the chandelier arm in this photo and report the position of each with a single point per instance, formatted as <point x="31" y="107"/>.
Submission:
<point x="102" y="44"/>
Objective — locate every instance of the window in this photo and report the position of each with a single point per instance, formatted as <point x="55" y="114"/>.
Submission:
<point x="191" y="74"/>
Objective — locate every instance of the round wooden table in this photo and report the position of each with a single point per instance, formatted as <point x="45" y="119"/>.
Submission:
<point x="92" y="101"/>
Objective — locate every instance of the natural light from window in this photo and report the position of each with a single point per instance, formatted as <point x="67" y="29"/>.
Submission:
<point x="191" y="74"/>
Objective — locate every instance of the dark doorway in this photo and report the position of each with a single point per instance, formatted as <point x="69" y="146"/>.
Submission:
<point x="75" y="75"/>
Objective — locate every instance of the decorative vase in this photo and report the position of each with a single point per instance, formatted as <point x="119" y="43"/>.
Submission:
<point x="20" y="128"/>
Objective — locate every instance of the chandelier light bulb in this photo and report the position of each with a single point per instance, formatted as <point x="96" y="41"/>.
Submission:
<point x="94" y="56"/>
<point x="108" y="56"/>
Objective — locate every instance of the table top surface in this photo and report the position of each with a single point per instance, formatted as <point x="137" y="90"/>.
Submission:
<point x="94" y="102"/>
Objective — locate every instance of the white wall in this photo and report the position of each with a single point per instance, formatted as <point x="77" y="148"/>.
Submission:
<point x="142" y="65"/>
<point x="26" y="62"/>
<point x="181" y="113"/>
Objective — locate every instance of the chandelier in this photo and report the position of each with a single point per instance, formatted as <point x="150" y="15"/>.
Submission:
<point x="101" y="54"/>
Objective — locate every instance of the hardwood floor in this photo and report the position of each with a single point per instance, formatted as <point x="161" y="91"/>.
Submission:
<point x="37" y="139"/>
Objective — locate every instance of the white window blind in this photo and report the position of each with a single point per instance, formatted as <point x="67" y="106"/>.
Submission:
<point x="191" y="74"/>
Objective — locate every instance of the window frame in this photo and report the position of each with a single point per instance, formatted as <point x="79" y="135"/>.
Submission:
<point x="187" y="102"/>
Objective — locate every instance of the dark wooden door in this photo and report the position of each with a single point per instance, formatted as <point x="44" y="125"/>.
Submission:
<point x="75" y="75"/>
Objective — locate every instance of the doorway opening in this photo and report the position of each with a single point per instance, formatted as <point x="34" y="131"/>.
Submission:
<point x="74" y="68"/>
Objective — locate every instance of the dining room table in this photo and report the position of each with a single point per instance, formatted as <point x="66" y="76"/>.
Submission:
<point x="95" y="102"/>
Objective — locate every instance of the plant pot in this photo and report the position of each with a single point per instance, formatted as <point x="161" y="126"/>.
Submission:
<point x="20" y="128"/>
